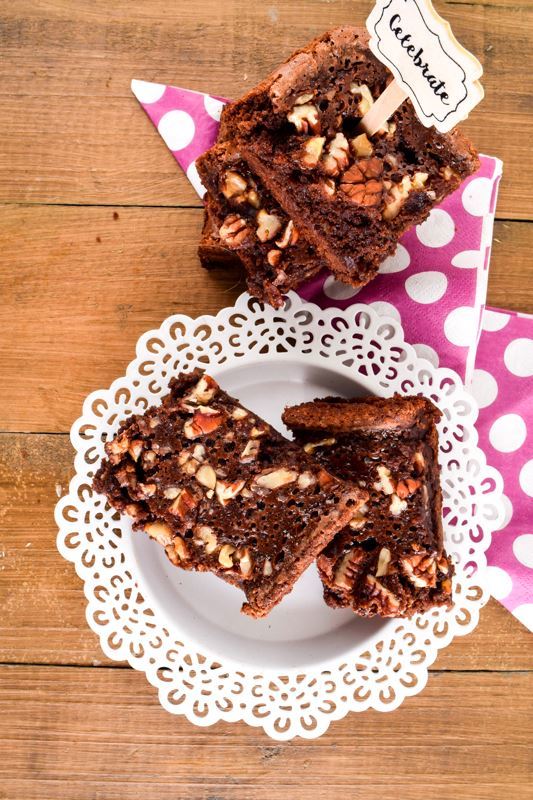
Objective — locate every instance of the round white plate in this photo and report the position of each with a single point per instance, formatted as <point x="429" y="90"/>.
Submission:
<point x="305" y="664"/>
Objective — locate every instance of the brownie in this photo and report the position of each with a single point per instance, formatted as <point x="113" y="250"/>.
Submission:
<point x="212" y="250"/>
<point x="243" y="216"/>
<point x="390" y="559"/>
<point x="350" y="195"/>
<point x="224" y="492"/>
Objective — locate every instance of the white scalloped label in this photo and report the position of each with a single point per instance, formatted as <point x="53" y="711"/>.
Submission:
<point x="439" y="75"/>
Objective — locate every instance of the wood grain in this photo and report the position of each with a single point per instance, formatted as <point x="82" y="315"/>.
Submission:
<point x="66" y="70"/>
<point x="80" y="285"/>
<point x="42" y="597"/>
<point x="58" y="743"/>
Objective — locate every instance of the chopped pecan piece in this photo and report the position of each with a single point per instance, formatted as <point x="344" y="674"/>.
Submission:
<point x="268" y="226"/>
<point x="234" y="230"/>
<point x="305" y="118"/>
<point x="311" y="151"/>
<point x="336" y="158"/>
<point x="362" y="182"/>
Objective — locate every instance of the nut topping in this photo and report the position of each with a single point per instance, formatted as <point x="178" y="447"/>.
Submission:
<point x="274" y="257"/>
<point x="117" y="447"/>
<point x="227" y="491"/>
<point x="389" y="602"/>
<point x="267" y="568"/>
<point x="225" y="556"/>
<point x="276" y="478"/>
<point x="206" y="476"/>
<point x="419" y="462"/>
<point x="177" y="551"/>
<point x="159" y="531"/>
<point x="420" y="569"/>
<point x="255" y="433"/>
<point x="135" y="449"/>
<point x="311" y="151"/>
<point x="245" y="561"/>
<point x="205" y="536"/>
<point x="233" y="231"/>
<point x="304" y="98"/>
<point x="205" y="420"/>
<point x="289" y="237"/>
<point x="304" y="117"/>
<point x="233" y="185"/>
<point x="407" y="487"/>
<point x="362" y="146"/>
<point x="305" y="480"/>
<point x="268" y="226"/>
<point x="367" y="101"/>
<point x="250" y="452"/>
<point x="183" y="504"/>
<point x="383" y="562"/>
<point x="239" y="413"/>
<point x="361" y="182"/>
<point x="384" y="484"/>
<point x="359" y="520"/>
<point x="328" y="187"/>
<point x="204" y="390"/>
<point x="336" y="158"/>
<point x="397" y="506"/>
<point x="346" y="572"/>
<point x="310" y="447"/>
<point x="171" y="493"/>
<point x="399" y="192"/>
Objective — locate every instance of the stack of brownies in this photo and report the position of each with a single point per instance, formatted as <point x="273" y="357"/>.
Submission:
<point x="294" y="184"/>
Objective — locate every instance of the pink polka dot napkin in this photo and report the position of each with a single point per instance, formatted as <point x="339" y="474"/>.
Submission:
<point x="503" y="387"/>
<point x="436" y="283"/>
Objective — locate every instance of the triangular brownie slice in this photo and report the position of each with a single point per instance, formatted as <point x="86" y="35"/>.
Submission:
<point x="223" y="491"/>
<point x="244" y="217"/>
<point x="349" y="195"/>
<point x="390" y="559"/>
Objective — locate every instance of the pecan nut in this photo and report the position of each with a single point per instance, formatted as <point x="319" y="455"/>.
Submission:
<point x="234" y="230"/>
<point x="362" y="182"/>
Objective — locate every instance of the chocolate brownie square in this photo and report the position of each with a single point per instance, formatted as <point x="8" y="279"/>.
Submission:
<point x="351" y="196"/>
<point x="390" y="559"/>
<point x="246" y="219"/>
<point x="224" y="492"/>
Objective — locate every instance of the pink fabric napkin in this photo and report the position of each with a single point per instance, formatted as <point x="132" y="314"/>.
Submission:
<point x="436" y="282"/>
<point x="503" y="386"/>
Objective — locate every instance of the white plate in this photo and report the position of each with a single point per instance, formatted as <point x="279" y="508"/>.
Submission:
<point x="305" y="664"/>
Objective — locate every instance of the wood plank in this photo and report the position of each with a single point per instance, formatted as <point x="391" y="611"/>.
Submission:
<point x="58" y="743"/>
<point x="42" y="597"/>
<point x="80" y="285"/>
<point x="74" y="63"/>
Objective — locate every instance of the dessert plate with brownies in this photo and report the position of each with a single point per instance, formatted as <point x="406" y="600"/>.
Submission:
<point x="280" y="515"/>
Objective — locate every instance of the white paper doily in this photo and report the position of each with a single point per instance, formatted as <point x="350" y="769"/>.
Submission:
<point x="305" y="665"/>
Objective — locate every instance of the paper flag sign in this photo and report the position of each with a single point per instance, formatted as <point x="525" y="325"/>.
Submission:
<point x="428" y="63"/>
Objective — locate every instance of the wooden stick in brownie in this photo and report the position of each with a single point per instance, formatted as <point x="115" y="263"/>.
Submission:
<point x="224" y="492"/>
<point x="245" y="219"/>
<point x="349" y="195"/>
<point x="390" y="559"/>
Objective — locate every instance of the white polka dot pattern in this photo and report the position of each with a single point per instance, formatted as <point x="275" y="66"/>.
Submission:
<point x="438" y="230"/>
<point x="177" y="129"/>
<point x="426" y="287"/>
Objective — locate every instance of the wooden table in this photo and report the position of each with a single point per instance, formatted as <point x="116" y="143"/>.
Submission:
<point x="98" y="243"/>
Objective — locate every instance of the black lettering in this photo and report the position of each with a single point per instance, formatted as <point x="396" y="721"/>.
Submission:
<point x="417" y="58"/>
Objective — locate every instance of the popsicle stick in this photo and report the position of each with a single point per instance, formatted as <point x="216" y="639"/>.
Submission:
<point x="383" y="108"/>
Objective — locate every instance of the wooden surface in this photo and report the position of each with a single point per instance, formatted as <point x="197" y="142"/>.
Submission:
<point x="97" y="243"/>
